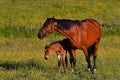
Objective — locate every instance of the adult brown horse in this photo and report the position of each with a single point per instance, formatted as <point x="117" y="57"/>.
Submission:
<point x="84" y="35"/>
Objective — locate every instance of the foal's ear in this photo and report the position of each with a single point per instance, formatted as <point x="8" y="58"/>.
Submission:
<point x="46" y="17"/>
<point x="53" y="17"/>
<point x="46" y="46"/>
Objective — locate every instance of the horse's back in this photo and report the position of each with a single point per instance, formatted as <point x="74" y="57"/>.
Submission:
<point x="91" y="30"/>
<point x="92" y="23"/>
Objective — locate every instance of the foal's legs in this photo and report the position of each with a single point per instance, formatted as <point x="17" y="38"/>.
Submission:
<point x="64" y="57"/>
<point x="63" y="61"/>
<point x="59" y="61"/>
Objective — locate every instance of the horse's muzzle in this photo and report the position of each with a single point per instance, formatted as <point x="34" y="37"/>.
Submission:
<point x="41" y="35"/>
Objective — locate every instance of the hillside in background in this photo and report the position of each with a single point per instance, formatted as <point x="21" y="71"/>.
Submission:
<point x="23" y="18"/>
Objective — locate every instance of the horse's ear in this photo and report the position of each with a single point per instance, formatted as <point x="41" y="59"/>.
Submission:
<point x="46" y="17"/>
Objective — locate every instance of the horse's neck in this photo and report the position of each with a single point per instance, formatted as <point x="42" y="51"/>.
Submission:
<point x="54" y="47"/>
<point x="65" y="33"/>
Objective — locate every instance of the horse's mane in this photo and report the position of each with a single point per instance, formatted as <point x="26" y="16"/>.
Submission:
<point x="67" y="24"/>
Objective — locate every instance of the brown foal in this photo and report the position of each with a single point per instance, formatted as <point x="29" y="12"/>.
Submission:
<point x="61" y="48"/>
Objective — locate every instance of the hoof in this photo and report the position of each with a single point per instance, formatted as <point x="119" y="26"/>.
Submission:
<point x="58" y="71"/>
<point x="73" y="71"/>
<point x="94" y="71"/>
<point x="88" y="70"/>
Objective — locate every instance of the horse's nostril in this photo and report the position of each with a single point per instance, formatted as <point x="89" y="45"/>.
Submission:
<point x="46" y="58"/>
<point x="40" y="36"/>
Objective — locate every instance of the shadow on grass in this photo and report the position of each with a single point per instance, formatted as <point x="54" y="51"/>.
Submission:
<point x="30" y="64"/>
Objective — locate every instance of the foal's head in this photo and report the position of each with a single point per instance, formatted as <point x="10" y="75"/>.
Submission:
<point x="48" y="27"/>
<point x="47" y="52"/>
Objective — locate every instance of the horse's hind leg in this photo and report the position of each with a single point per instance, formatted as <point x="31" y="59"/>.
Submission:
<point x="94" y="57"/>
<point x="63" y="62"/>
<point x="89" y="62"/>
<point x="87" y="55"/>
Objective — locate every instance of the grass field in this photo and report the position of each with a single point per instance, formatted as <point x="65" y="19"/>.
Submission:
<point x="26" y="62"/>
<point x="22" y="53"/>
<point x="23" y="18"/>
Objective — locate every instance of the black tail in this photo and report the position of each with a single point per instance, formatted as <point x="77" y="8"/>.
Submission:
<point x="91" y="49"/>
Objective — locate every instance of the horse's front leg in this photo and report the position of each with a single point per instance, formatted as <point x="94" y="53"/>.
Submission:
<point x="73" y="60"/>
<point x="66" y="60"/>
<point x="63" y="62"/>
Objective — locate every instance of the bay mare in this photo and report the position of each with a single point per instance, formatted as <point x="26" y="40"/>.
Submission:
<point x="84" y="35"/>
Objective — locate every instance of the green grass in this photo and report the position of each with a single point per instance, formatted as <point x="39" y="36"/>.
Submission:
<point x="23" y="18"/>
<point x="23" y="59"/>
<point x="25" y="13"/>
<point x="22" y="53"/>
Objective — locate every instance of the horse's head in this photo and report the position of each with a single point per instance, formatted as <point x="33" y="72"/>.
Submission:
<point x="48" y="27"/>
<point x="46" y="52"/>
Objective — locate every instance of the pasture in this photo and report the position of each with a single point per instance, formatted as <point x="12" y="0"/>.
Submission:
<point x="23" y="59"/>
<point x="22" y="53"/>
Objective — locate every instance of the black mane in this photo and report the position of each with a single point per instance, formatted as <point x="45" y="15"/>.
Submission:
<point x="67" y="24"/>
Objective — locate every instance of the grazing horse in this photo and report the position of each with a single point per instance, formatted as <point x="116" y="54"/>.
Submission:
<point x="84" y="35"/>
<point x="61" y="48"/>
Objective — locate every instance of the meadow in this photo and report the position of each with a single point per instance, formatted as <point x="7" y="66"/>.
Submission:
<point x="23" y="59"/>
<point x="22" y="53"/>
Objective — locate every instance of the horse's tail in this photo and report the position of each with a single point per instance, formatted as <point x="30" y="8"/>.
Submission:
<point x="91" y="49"/>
